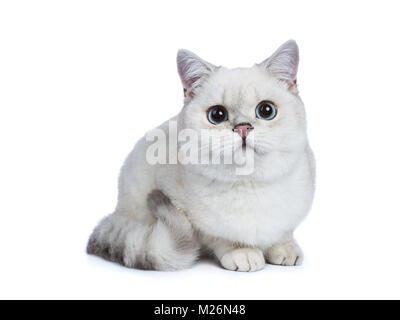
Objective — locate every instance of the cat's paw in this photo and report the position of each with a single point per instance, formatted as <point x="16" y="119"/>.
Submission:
<point x="285" y="254"/>
<point x="244" y="259"/>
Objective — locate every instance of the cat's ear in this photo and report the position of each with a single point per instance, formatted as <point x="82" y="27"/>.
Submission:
<point x="192" y="70"/>
<point x="284" y="62"/>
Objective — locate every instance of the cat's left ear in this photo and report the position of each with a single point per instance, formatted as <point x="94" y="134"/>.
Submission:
<point x="193" y="70"/>
<point x="284" y="63"/>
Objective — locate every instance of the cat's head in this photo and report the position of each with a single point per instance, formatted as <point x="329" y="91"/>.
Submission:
<point x="258" y="107"/>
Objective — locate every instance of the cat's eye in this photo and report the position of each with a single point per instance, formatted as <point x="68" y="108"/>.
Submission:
<point x="266" y="110"/>
<point x="217" y="114"/>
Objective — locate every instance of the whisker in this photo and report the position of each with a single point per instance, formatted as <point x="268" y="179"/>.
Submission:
<point x="224" y="139"/>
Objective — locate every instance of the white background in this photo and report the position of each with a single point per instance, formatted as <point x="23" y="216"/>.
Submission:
<point x="81" y="81"/>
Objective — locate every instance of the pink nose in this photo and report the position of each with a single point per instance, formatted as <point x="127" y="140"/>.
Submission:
<point x="242" y="129"/>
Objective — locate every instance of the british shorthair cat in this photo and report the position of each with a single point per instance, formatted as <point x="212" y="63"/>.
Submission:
<point x="168" y="212"/>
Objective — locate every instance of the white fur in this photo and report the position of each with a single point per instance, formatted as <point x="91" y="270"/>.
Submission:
<point x="236" y="217"/>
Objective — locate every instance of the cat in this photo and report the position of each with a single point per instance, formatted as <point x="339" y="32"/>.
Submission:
<point x="167" y="214"/>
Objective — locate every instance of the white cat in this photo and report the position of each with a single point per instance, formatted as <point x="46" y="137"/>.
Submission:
<point x="167" y="213"/>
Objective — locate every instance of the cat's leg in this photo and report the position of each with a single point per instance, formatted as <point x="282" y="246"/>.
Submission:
<point x="286" y="252"/>
<point x="163" y="242"/>
<point x="236" y="257"/>
<point x="172" y="223"/>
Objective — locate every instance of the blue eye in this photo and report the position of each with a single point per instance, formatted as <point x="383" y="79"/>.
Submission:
<point x="266" y="110"/>
<point x="217" y="114"/>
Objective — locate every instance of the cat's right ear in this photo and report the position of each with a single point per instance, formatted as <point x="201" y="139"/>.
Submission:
<point x="283" y="64"/>
<point x="193" y="70"/>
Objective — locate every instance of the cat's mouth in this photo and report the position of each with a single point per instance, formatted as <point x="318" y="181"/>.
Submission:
<point x="246" y="147"/>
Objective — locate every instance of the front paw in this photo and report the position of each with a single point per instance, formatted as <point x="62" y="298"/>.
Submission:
<point x="244" y="259"/>
<point x="285" y="254"/>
